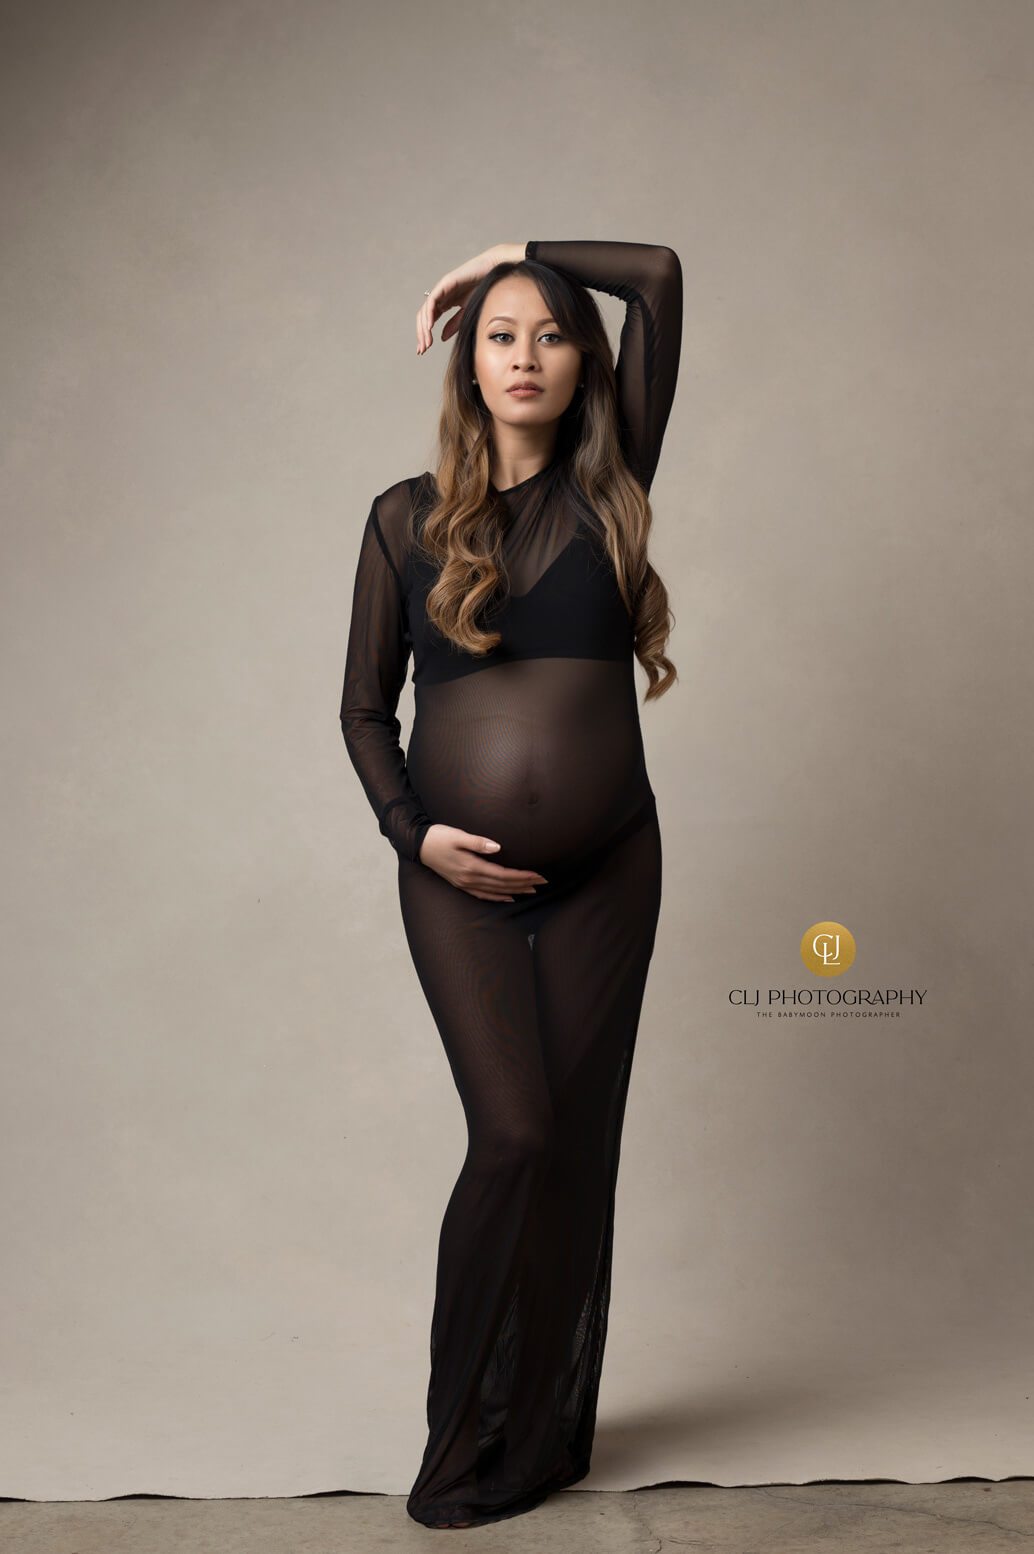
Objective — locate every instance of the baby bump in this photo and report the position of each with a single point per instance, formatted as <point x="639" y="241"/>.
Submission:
<point x="547" y="760"/>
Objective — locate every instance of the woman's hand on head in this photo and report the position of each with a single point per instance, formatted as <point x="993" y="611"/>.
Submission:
<point x="453" y="289"/>
<point x="460" y="857"/>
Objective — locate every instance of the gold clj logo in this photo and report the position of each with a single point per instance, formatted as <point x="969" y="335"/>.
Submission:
<point x="827" y="949"/>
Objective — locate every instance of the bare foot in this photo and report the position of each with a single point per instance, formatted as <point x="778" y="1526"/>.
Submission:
<point x="446" y="1522"/>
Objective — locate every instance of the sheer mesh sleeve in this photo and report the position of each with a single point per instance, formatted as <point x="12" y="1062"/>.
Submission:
<point x="375" y="673"/>
<point x="648" y="277"/>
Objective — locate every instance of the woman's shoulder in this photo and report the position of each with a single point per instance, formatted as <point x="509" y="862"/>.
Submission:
<point x="397" y="510"/>
<point x="393" y="505"/>
<point x="401" y="492"/>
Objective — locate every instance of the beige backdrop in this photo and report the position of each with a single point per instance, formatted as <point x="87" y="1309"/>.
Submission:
<point x="229" y="1127"/>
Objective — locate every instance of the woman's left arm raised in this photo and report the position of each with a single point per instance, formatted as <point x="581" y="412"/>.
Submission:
<point x="648" y="277"/>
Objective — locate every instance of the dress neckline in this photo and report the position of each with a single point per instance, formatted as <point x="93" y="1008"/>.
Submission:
<point x="509" y="490"/>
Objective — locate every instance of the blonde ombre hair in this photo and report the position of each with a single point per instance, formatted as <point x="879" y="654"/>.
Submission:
<point x="462" y="532"/>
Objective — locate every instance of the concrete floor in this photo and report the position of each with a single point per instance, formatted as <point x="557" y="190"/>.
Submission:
<point x="971" y="1517"/>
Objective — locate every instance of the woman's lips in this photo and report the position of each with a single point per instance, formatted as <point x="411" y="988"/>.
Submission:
<point x="523" y="393"/>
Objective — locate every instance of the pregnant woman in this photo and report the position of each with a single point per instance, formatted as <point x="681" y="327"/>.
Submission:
<point x="529" y="852"/>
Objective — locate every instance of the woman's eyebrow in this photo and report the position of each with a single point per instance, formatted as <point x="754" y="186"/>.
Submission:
<point x="504" y="318"/>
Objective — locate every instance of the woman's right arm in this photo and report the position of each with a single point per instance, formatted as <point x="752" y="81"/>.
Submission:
<point x="375" y="673"/>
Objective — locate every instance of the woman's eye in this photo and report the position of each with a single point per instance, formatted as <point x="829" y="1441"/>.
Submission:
<point x="501" y="334"/>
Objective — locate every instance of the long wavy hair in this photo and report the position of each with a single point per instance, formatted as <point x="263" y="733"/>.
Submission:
<point x="461" y="532"/>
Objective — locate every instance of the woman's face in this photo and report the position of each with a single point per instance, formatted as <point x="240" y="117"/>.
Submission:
<point x="517" y="341"/>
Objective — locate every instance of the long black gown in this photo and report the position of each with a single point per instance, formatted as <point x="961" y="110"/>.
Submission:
<point x="537" y="1001"/>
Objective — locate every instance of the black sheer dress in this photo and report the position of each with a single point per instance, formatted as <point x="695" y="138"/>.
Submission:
<point x="537" y="1000"/>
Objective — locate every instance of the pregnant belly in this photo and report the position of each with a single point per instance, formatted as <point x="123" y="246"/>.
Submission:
<point x="544" y="756"/>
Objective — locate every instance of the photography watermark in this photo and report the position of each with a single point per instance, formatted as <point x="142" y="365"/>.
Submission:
<point x="827" y="949"/>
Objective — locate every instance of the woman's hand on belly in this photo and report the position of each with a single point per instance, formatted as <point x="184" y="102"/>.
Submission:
<point x="459" y="857"/>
